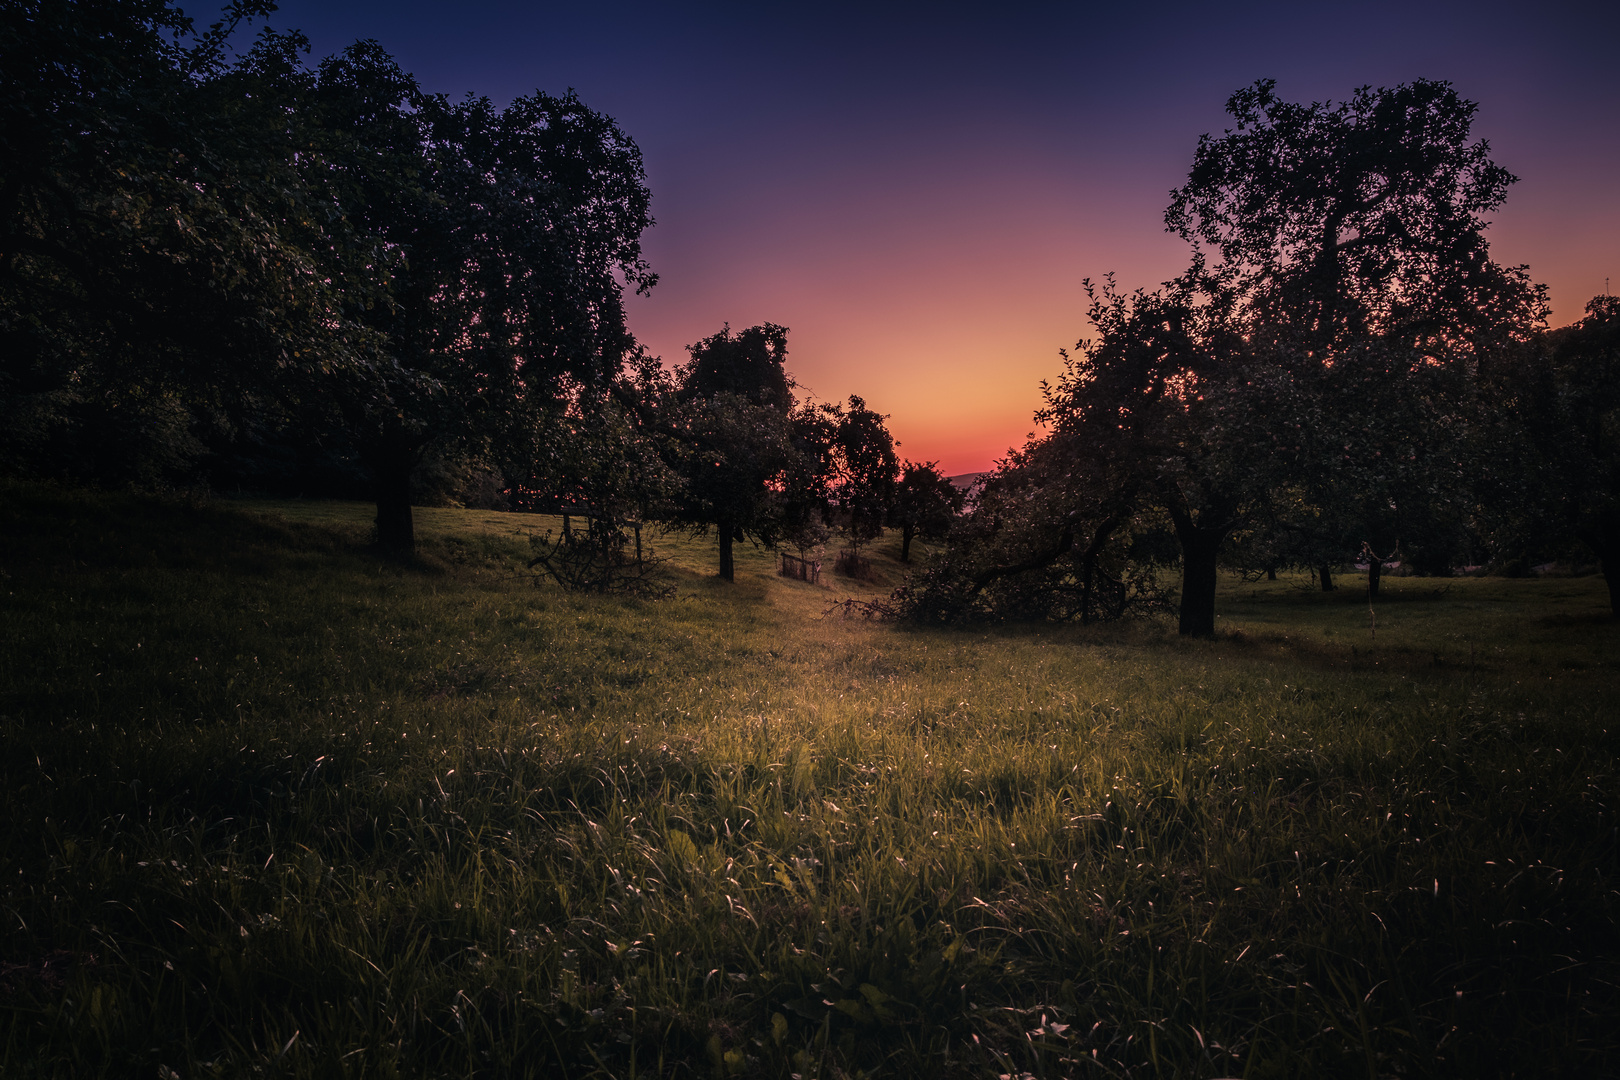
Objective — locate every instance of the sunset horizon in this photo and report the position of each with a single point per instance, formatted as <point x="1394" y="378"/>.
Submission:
<point x="916" y="540"/>
<point x="919" y="199"/>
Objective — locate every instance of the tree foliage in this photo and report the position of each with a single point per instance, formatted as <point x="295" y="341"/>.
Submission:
<point x="186" y="241"/>
<point x="1042" y="542"/>
<point x="1351" y="242"/>
<point x="1339" y="223"/>
<point x="1550" y="455"/>
<point x="159" y="254"/>
<point x="864" y="471"/>
<point x="926" y="504"/>
<point x="730" y="422"/>
<point x="1307" y="391"/>
<point x="513" y="232"/>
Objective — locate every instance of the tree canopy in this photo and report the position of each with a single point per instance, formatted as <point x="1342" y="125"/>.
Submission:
<point x="186" y="238"/>
<point x="1307" y="385"/>
<point x="514" y="232"/>
<point x="160" y="256"/>
<point x="926" y="504"/>
<point x="866" y="470"/>
<point x="733" y="436"/>
<point x="1339" y="222"/>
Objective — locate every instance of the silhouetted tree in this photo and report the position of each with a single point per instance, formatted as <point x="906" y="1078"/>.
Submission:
<point x="514" y="232"/>
<point x="1551" y="463"/>
<point x="804" y="496"/>
<point x="161" y="259"/>
<point x="733" y="436"/>
<point x="1042" y="540"/>
<point x="1173" y="406"/>
<point x="181" y="239"/>
<point x="926" y="504"/>
<point x="1351" y="240"/>
<point x="1337" y="223"/>
<point x="748" y="364"/>
<point x="865" y="471"/>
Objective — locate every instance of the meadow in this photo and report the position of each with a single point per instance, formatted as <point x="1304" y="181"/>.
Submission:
<point x="275" y="806"/>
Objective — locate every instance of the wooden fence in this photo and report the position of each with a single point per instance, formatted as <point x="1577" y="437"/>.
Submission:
<point x="852" y="564"/>
<point x="803" y="569"/>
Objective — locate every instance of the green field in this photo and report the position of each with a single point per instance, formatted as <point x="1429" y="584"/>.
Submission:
<point x="275" y="807"/>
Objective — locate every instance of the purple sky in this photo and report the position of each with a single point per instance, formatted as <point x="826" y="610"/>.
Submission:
<point x="917" y="190"/>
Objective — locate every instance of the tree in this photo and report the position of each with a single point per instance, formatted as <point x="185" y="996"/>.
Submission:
<point x="1351" y="239"/>
<point x="804" y="492"/>
<point x="1043" y="540"/>
<point x="1586" y="372"/>
<point x="184" y="241"/>
<point x="1552" y="471"/>
<point x="504" y="238"/>
<point x="1373" y="453"/>
<point x="1316" y="379"/>
<point x="1130" y="427"/>
<point x="750" y="364"/>
<point x="1337" y="223"/>
<point x="160" y="257"/>
<point x="866" y="470"/>
<point x="926" y="504"/>
<point x="1174" y="407"/>
<point x="731" y="420"/>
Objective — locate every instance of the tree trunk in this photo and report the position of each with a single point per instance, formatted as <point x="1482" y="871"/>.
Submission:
<point x="1326" y="573"/>
<point x="728" y="570"/>
<point x="1375" y="570"/>
<point x="390" y="455"/>
<point x="1088" y="577"/>
<point x="1271" y="573"/>
<point x="1199" y="551"/>
<point x="906" y="533"/>
<point x="396" y="533"/>
<point x="1611" y="574"/>
<point x="1603" y="537"/>
<point x="1201" y="537"/>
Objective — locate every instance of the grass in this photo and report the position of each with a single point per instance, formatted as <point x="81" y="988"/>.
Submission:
<point x="275" y="807"/>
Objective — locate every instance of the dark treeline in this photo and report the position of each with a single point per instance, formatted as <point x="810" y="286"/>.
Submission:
<point x="243" y="271"/>
<point x="1343" y="374"/>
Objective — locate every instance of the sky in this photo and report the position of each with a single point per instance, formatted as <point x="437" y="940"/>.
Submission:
<point x="919" y="191"/>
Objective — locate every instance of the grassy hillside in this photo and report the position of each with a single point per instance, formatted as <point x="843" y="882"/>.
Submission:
<point x="272" y="806"/>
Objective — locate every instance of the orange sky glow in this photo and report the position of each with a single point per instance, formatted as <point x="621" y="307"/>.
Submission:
<point x="918" y="190"/>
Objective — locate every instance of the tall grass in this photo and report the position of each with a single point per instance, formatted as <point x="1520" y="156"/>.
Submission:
<point x="273" y="806"/>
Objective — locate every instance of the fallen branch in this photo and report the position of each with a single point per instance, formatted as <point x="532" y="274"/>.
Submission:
<point x="874" y="610"/>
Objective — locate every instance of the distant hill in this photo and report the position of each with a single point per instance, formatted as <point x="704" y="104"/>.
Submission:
<point x="963" y="481"/>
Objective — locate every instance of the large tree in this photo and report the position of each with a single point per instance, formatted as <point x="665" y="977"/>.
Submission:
<point x="183" y="240"/>
<point x="161" y="259"/>
<point x="510" y="236"/>
<point x="1351" y="241"/>
<point x="1049" y="532"/>
<point x="1315" y="374"/>
<point x="1169" y="405"/>
<point x="1340" y="222"/>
